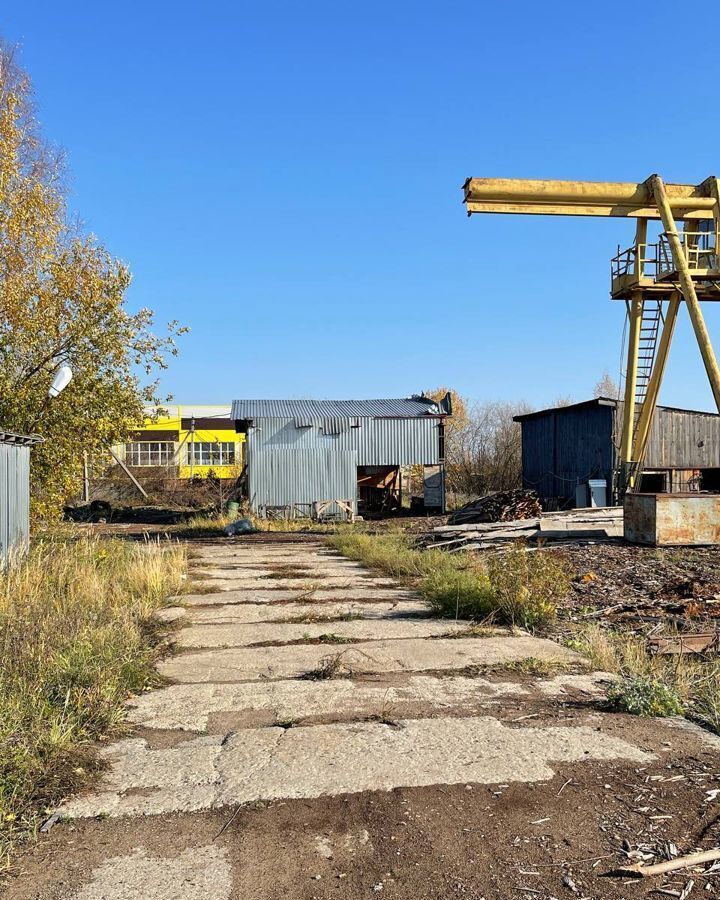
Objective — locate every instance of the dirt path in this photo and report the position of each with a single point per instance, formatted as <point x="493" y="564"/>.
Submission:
<point x="323" y="738"/>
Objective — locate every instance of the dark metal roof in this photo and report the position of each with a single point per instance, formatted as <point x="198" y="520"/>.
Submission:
<point x="600" y="401"/>
<point x="406" y="408"/>
<point x="8" y="437"/>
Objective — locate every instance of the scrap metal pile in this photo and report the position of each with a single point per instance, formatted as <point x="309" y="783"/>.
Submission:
<point x="500" y="506"/>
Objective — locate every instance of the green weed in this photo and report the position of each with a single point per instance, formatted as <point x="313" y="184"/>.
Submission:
<point x="685" y="682"/>
<point x="519" y="587"/>
<point x="644" y="696"/>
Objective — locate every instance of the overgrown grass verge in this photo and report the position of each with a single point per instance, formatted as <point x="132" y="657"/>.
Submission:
<point x="201" y="526"/>
<point x="76" y="637"/>
<point x="653" y="684"/>
<point x="519" y="587"/>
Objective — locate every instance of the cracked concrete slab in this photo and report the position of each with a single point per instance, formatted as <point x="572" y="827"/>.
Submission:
<point x="410" y="655"/>
<point x="329" y="563"/>
<point x="246" y="635"/>
<point x="305" y="583"/>
<point x="276" y="763"/>
<point x="316" y="595"/>
<point x="265" y="612"/>
<point x="201" y="873"/>
<point x="189" y="707"/>
<point x="288" y="573"/>
<point x="304" y="554"/>
<point x="591" y="683"/>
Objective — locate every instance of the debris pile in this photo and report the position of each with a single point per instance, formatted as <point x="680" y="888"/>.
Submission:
<point x="501" y="506"/>
<point x="100" y="511"/>
<point x="600" y="524"/>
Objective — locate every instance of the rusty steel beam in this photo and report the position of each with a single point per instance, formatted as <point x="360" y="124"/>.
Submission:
<point x="586" y="198"/>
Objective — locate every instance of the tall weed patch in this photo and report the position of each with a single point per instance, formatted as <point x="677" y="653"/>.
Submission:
<point x="650" y="683"/>
<point x="76" y="637"/>
<point x="519" y="587"/>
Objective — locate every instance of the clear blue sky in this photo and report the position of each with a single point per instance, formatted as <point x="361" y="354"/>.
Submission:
<point x="285" y="179"/>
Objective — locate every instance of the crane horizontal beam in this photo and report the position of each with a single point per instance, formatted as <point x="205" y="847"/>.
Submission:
<point x="586" y="198"/>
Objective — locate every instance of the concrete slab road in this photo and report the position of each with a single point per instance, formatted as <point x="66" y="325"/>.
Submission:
<point x="321" y="736"/>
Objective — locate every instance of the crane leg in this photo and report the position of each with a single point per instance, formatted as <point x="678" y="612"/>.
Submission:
<point x="688" y="288"/>
<point x="635" y="314"/>
<point x="642" y="432"/>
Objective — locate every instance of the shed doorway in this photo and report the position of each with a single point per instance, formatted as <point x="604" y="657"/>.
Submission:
<point x="379" y="489"/>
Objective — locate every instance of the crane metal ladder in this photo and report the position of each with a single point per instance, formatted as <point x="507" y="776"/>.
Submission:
<point x="652" y="319"/>
<point x="650" y="325"/>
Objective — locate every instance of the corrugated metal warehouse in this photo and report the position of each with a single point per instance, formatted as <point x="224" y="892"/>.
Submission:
<point x="14" y="493"/>
<point x="301" y="453"/>
<point x="568" y="446"/>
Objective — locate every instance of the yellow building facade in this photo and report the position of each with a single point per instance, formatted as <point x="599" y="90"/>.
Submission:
<point x="193" y="440"/>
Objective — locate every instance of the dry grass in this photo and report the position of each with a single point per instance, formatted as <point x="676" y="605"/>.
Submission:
<point x="391" y="553"/>
<point x="528" y="585"/>
<point x="654" y="684"/>
<point x="310" y="618"/>
<point x="515" y="588"/>
<point x="76" y="636"/>
<point x="201" y="526"/>
<point x="330" y="667"/>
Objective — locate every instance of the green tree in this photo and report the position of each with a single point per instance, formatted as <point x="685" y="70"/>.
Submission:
<point x="62" y="301"/>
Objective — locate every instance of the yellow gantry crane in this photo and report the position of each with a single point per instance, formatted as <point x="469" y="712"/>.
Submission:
<point x="653" y="278"/>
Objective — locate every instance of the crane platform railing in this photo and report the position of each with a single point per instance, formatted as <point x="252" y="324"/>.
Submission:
<point x="640" y="260"/>
<point x="699" y="249"/>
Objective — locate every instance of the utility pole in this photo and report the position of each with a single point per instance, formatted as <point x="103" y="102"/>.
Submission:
<point x="86" y="479"/>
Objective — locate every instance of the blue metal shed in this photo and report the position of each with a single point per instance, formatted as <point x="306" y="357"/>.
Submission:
<point x="305" y="452"/>
<point x="14" y="493"/>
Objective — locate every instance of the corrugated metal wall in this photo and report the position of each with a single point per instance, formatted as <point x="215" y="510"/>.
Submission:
<point x="14" y="498"/>
<point x="378" y="442"/>
<point x="280" y="477"/>
<point x="290" y="462"/>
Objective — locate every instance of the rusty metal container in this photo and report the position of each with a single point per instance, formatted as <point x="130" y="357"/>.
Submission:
<point x="667" y="520"/>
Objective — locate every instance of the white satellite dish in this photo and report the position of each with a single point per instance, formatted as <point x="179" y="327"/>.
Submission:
<point x="61" y="379"/>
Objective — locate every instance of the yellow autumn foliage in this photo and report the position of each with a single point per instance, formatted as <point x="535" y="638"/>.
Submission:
<point x="62" y="301"/>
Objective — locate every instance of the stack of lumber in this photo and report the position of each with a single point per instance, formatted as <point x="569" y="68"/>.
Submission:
<point x="569" y="527"/>
<point x="501" y="506"/>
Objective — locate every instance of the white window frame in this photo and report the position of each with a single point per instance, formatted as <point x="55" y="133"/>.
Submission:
<point x="140" y="454"/>
<point x="211" y="453"/>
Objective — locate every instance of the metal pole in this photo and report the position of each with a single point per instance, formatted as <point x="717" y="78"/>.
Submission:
<point x="175" y="461"/>
<point x="641" y="246"/>
<point x="192" y="448"/>
<point x="688" y="288"/>
<point x="635" y="314"/>
<point x="86" y="479"/>
<point x="642" y="432"/>
<point x="127" y="472"/>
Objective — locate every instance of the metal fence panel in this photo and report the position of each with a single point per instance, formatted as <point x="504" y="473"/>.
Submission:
<point x="279" y="477"/>
<point x="14" y="499"/>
